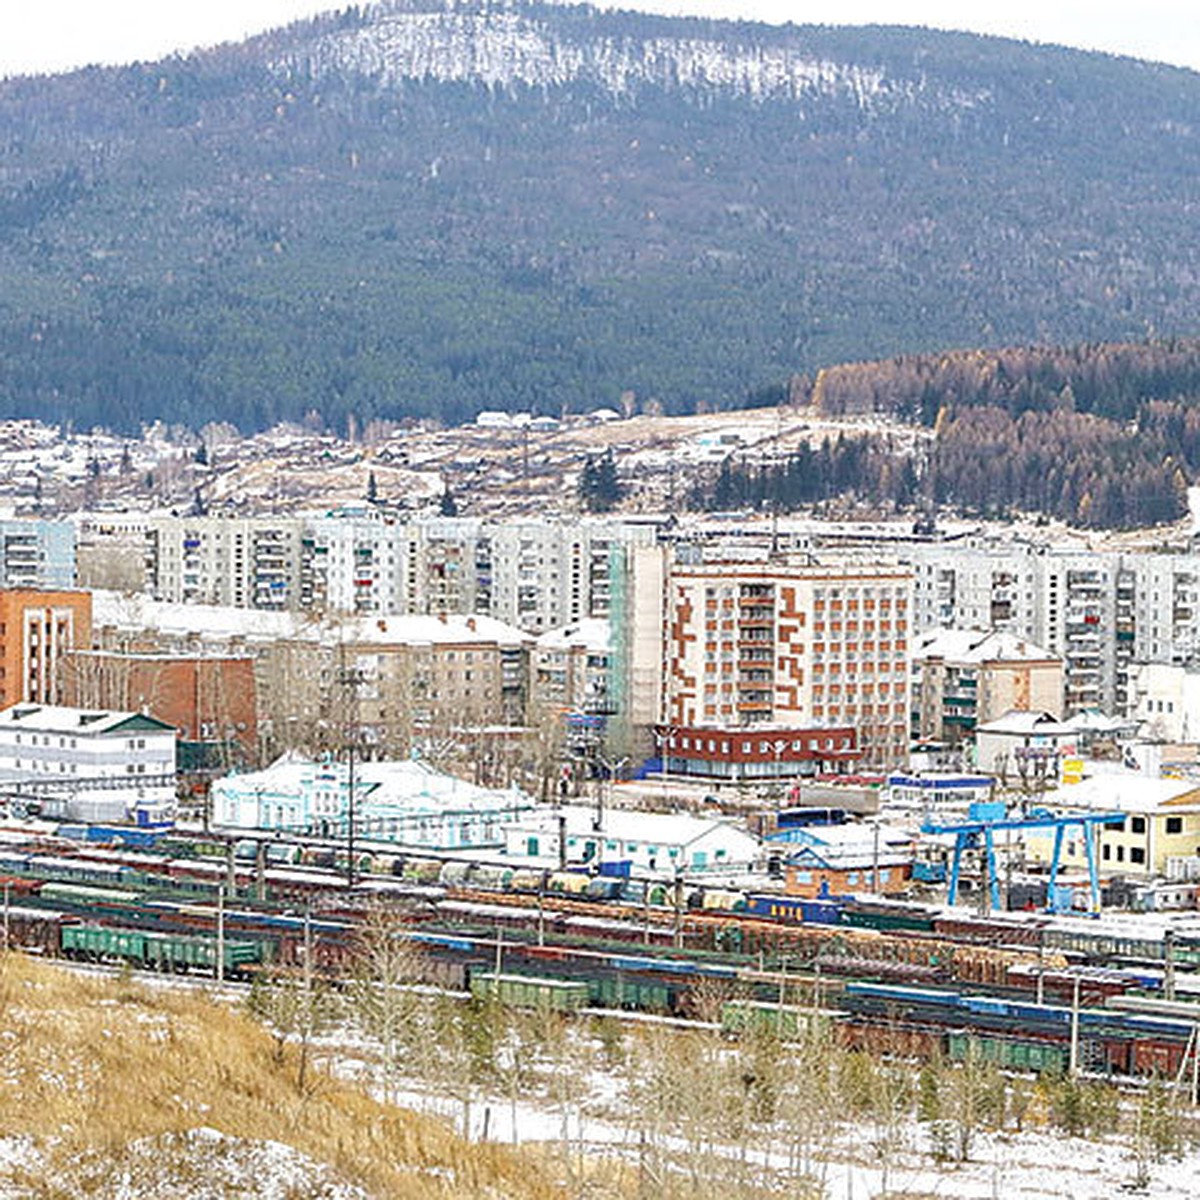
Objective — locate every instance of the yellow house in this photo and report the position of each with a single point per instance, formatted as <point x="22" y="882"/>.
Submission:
<point x="1162" y="823"/>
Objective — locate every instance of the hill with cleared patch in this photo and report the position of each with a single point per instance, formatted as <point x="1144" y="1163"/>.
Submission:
<point x="420" y="209"/>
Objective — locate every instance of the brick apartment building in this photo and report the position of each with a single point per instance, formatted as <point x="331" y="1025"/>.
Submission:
<point x="761" y="645"/>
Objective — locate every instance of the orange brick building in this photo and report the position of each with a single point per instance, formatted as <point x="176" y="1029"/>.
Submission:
<point x="209" y="699"/>
<point x="37" y="630"/>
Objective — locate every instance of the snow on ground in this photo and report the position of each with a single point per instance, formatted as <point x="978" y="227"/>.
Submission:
<point x="201" y="1164"/>
<point x="1027" y="1165"/>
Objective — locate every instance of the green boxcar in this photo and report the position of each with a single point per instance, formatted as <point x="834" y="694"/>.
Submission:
<point x="620" y="991"/>
<point x="885" y="922"/>
<point x="531" y="991"/>
<point x="157" y="951"/>
<point x="1039" y="1057"/>
<point x="174" y="952"/>
<point x="97" y="941"/>
<point x="87" y="895"/>
<point x="760" y="1016"/>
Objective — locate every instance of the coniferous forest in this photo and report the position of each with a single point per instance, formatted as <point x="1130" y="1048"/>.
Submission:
<point x="1103" y="436"/>
<point x="422" y="210"/>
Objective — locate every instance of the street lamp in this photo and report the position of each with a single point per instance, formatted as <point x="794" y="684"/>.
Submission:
<point x="664" y="737"/>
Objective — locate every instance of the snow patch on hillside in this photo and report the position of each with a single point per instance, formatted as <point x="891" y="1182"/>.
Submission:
<point x="201" y="1164"/>
<point x="512" y="48"/>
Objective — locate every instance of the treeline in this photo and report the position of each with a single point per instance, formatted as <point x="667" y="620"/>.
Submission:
<point x="253" y="233"/>
<point x="1082" y="469"/>
<point x="843" y="467"/>
<point x="1098" y="435"/>
<point x="1113" y="380"/>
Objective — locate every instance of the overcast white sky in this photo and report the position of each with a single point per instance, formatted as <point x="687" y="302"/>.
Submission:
<point x="49" y="35"/>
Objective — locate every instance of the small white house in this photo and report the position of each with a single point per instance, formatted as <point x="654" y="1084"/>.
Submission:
<point x="1029" y="742"/>
<point x="89" y="765"/>
<point x="663" y="844"/>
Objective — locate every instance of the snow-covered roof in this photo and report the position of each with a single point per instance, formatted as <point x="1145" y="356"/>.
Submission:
<point x="1017" y="722"/>
<point x="1092" y="720"/>
<point x="422" y="629"/>
<point x="633" y="825"/>
<point x="851" y="835"/>
<point x="592" y="633"/>
<point x="90" y="722"/>
<point x="974" y="646"/>
<point x="405" y="785"/>
<point x="204" y="620"/>
<point x="223" y="621"/>
<point x="1128" y="792"/>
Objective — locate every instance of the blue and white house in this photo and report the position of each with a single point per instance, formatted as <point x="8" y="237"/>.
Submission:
<point x="409" y="803"/>
<point x="644" y="843"/>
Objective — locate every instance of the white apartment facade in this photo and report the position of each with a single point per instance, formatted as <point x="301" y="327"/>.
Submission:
<point x="1102" y="612"/>
<point x="761" y="645"/>
<point x="536" y="574"/>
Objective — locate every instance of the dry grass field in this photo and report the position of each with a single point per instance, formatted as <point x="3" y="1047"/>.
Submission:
<point x="110" y="1088"/>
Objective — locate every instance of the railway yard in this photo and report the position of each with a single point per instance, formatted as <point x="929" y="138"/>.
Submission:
<point x="1111" y="998"/>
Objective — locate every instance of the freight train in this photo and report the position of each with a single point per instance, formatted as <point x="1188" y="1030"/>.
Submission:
<point x="1111" y="1042"/>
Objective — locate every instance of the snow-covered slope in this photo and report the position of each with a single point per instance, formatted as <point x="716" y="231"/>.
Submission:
<point x="516" y="45"/>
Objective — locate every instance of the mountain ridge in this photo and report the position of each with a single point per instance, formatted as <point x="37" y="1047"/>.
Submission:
<point x="425" y="209"/>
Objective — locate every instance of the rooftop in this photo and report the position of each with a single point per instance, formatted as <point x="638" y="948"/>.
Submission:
<point x="974" y="646"/>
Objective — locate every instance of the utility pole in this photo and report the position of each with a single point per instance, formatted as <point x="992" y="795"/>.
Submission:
<point x="1169" y="964"/>
<point x="308" y="954"/>
<point x="1041" y="975"/>
<point x="220" y="964"/>
<point x="1074" y="1068"/>
<point x="875" y="857"/>
<point x="351" y="678"/>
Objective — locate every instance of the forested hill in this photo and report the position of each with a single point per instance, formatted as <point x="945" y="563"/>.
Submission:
<point x="1100" y="435"/>
<point x="429" y="208"/>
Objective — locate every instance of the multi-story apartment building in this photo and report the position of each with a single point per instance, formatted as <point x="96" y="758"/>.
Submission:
<point x="37" y="629"/>
<point x="389" y="681"/>
<point x="535" y="574"/>
<point x="37" y="553"/>
<point x="1102" y="612"/>
<point x="243" y="562"/>
<point x="963" y="678"/>
<point x="572" y="669"/>
<point x="756" y="645"/>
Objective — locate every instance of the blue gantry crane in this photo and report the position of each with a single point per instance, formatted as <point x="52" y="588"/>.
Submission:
<point x="985" y="820"/>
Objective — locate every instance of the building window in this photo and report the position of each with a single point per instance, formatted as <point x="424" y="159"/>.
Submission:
<point x="1137" y="854"/>
<point x="1174" y="824"/>
<point x="1137" y="824"/>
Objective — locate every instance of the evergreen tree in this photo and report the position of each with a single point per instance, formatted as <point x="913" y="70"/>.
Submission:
<point x="599" y="488"/>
